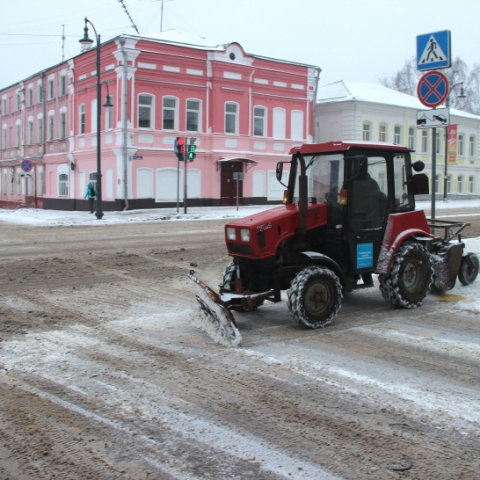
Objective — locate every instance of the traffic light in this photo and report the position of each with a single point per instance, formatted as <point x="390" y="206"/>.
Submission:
<point x="191" y="152"/>
<point x="179" y="148"/>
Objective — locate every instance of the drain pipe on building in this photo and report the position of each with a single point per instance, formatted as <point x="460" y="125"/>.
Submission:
<point x="124" y="120"/>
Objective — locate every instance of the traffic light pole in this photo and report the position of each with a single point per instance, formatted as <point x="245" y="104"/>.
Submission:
<point x="185" y="181"/>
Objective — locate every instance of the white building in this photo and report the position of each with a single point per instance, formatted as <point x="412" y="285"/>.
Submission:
<point x="362" y="111"/>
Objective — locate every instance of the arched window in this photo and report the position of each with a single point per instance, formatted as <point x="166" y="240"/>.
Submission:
<point x="63" y="185"/>
<point x="382" y="132"/>
<point x="170" y="113"/>
<point x="259" y="121"/>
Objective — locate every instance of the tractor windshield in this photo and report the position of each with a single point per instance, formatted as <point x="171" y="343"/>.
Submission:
<point x="325" y="176"/>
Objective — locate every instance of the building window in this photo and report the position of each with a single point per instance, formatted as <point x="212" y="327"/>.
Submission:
<point x="437" y="183"/>
<point x="109" y="119"/>
<point x="40" y="93"/>
<point x="50" y="127"/>
<point x="63" y="126"/>
<point x="231" y="118"/>
<point x="259" y="119"/>
<point x="424" y="141"/>
<point x="40" y="130"/>
<point x="30" y="96"/>
<point x="461" y="145"/>
<point x="169" y="113"/>
<point x="63" y="185"/>
<point x="81" y="121"/>
<point x="366" y="132"/>
<point x="397" y="134"/>
<point x="145" y="103"/>
<point x="4" y="106"/>
<point x="471" y="144"/>
<point x="5" y="144"/>
<point x="92" y="178"/>
<point x="30" y="132"/>
<point x="460" y="184"/>
<point x="17" y="100"/>
<point x="17" y="135"/>
<point x="382" y="133"/>
<point x="279" y="124"/>
<point x="470" y="184"/>
<point x="193" y="115"/>
<point x="449" y="182"/>
<point x="296" y="125"/>
<point x="50" y="89"/>
<point x="63" y="85"/>
<point x="411" y="138"/>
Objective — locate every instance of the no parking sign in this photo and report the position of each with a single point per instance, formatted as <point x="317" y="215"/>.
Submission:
<point x="432" y="89"/>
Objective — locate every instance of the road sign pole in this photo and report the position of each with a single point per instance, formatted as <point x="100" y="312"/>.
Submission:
<point x="434" y="170"/>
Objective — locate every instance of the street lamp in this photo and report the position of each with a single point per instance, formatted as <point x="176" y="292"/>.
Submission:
<point x="447" y="104"/>
<point x="86" y="43"/>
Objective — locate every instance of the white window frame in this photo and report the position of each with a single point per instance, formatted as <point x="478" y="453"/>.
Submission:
<point x="198" y="112"/>
<point x="382" y="132"/>
<point x="366" y="131"/>
<point x="460" y="184"/>
<point x="262" y="120"/>
<point x="424" y="141"/>
<point x="461" y="145"/>
<point x="40" y="92"/>
<point x="411" y="137"/>
<point x="63" y="185"/>
<point x="397" y="134"/>
<point x="151" y="109"/>
<point x="40" y="128"/>
<point x="235" y="115"/>
<point x="279" y="123"/>
<point x="81" y="119"/>
<point x="51" y="89"/>
<point x="51" y="127"/>
<point x="471" y="182"/>
<point x="30" y="131"/>
<point x="17" y="133"/>
<point x="471" y="141"/>
<point x="175" y="113"/>
<point x="296" y="131"/>
<point x="63" y="85"/>
<point x="63" y="125"/>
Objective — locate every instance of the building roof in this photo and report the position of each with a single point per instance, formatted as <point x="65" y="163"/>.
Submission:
<point x="343" y="91"/>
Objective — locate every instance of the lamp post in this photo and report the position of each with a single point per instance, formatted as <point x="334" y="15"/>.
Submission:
<point x="86" y="43"/>
<point x="447" y="104"/>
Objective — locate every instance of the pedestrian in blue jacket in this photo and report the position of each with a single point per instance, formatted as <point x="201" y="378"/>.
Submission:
<point x="91" y="194"/>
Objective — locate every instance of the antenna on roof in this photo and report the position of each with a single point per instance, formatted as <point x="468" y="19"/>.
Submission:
<point x="128" y="15"/>
<point x="161" y="13"/>
<point x="63" y="42"/>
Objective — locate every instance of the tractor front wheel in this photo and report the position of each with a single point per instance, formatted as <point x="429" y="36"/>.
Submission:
<point x="314" y="297"/>
<point x="410" y="278"/>
<point x="468" y="269"/>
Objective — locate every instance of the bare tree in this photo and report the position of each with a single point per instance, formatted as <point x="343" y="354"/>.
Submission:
<point x="406" y="79"/>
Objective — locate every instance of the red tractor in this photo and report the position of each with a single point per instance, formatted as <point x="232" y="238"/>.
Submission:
<point x="348" y="212"/>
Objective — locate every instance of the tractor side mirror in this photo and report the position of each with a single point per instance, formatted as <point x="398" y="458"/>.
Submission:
<point x="418" y="166"/>
<point x="279" y="172"/>
<point x="420" y="184"/>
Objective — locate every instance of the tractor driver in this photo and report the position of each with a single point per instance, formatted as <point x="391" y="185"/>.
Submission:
<point x="366" y="198"/>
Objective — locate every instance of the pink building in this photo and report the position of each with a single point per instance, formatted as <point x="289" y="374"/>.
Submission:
<point x="244" y="111"/>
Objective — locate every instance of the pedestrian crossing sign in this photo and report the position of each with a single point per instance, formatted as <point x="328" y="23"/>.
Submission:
<point x="433" y="51"/>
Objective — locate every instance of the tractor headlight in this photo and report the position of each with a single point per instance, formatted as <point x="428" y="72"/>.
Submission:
<point x="245" y="234"/>
<point x="231" y="235"/>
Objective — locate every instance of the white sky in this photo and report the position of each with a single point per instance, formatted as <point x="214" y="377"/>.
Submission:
<point x="353" y="40"/>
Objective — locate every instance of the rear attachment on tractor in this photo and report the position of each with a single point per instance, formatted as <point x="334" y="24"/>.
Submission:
<point x="216" y="310"/>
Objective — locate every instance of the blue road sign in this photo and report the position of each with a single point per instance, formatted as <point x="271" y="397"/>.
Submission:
<point x="434" y="51"/>
<point x="27" y="166"/>
<point x="432" y="89"/>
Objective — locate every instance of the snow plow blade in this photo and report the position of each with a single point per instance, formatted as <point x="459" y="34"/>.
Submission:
<point x="219" y="321"/>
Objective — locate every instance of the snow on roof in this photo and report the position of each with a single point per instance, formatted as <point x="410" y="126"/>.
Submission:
<point x="343" y="91"/>
<point x="180" y="38"/>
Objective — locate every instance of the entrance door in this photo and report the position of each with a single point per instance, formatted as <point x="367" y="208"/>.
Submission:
<point x="228" y="187"/>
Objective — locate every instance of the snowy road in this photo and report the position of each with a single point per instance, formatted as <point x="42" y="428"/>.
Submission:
<point x="104" y="375"/>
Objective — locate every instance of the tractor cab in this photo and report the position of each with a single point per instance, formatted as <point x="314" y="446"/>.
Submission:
<point x="360" y="184"/>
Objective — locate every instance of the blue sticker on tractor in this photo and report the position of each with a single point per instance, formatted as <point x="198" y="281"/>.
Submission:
<point x="365" y="255"/>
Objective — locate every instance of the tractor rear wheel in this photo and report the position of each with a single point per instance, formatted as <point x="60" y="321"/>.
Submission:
<point x="314" y="297"/>
<point x="410" y="278"/>
<point x="467" y="274"/>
